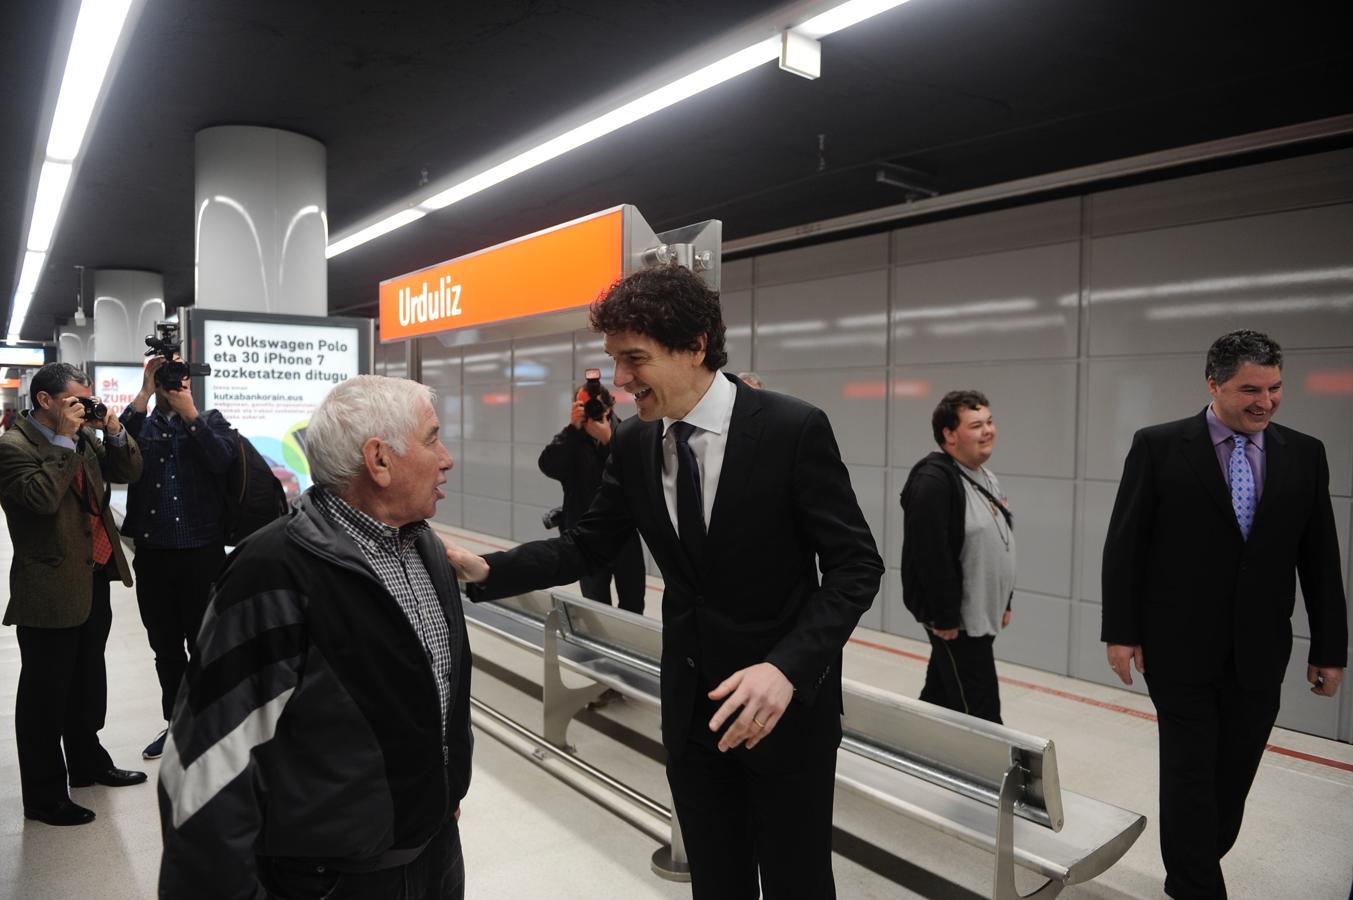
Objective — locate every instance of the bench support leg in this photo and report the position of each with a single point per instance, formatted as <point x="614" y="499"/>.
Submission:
<point x="1003" y="887"/>
<point x="560" y="703"/>
<point x="670" y="862"/>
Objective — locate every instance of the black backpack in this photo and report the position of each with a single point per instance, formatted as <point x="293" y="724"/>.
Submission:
<point x="253" y="495"/>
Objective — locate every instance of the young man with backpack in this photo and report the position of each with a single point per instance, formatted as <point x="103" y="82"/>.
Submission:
<point x="177" y="517"/>
<point x="958" y="556"/>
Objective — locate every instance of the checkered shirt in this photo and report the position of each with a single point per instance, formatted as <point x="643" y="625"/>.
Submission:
<point x="392" y="554"/>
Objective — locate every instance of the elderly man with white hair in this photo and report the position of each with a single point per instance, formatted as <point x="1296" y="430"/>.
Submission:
<point x="321" y="743"/>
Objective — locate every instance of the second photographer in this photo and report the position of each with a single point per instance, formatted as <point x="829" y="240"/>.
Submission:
<point x="175" y="514"/>
<point x="576" y="458"/>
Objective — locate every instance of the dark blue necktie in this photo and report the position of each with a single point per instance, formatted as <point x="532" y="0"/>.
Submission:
<point x="1244" y="497"/>
<point x="690" y="493"/>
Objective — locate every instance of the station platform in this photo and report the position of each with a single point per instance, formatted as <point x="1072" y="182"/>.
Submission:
<point x="527" y="835"/>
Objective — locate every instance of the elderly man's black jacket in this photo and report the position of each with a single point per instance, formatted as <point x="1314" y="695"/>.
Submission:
<point x="783" y="511"/>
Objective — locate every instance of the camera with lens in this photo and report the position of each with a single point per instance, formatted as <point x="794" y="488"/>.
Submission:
<point x="554" y="518"/>
<point x="166" y="343"/>
<point x="593" y="406"/>
<point x="95" y="409"/>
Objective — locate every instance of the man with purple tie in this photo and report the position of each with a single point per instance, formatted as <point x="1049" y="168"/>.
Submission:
<point x="1214" y="517"/>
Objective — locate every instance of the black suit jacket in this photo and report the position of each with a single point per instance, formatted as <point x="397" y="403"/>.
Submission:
<point x="784" y="509"/>
<point x="1180" y="580"/>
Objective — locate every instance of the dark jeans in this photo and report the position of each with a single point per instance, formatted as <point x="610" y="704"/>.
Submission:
<point x="62" y="699"/>
<point x="1212" y="739"/>
<point x="437" y="874"/>
<point x="628" y="571"/>
<point x="749" y="812"/>
<point x="962" y="676"/>
<point x="172" y="590"/>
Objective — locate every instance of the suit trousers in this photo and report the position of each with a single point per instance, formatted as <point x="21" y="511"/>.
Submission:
<point x="1212" y="738"/>
<point x="961" y="675"/>
<point x="172" y="591"/>
<point x="749" y="811"/>
<point x="62" y="701"/>
<point x="437" y="874"/>
<point x="628" y="571"/>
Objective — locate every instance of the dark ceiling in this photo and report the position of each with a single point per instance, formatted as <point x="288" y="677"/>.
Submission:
<point x="970" y="92"/>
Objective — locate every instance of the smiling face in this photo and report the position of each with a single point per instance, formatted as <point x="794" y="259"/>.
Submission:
<point x="1247" y="401"/>
<point x="972" y="441"/>
<point x="416" y="477"/>
<point x="664" y="382"/>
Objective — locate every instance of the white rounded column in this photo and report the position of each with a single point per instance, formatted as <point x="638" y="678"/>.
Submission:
<point x="127" y="304"/>
<point x="261" y="221"/>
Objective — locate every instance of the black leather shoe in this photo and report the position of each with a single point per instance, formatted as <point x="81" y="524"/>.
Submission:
<point x="111" y="778"/>
<point x="62" y="812"/>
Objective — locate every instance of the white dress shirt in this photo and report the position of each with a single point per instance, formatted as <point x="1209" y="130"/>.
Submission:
<point x="711" y="418"/>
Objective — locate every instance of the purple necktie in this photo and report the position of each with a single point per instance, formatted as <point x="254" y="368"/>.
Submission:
<point x="1243" y="500"/>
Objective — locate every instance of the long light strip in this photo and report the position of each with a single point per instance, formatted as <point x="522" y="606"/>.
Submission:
<point x="762" y="51"/>
<point x="98" y="27"/>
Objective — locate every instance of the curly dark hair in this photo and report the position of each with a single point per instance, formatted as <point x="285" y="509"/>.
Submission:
<point x="669" y="304"/>
<point x="946" y="412"/>
<point x="1231" y="350"/>
<point x="53" y="379"/>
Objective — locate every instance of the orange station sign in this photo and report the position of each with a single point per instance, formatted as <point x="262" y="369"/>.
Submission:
<point x="553" y="270"/>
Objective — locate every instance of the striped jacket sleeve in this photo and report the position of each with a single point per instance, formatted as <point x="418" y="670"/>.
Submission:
<point x="248" y="664"/>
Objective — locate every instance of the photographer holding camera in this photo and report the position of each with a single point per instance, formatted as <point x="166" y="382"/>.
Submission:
<point x="176" y="512"/>
<point x="53" y="472"/>
<point x="576" y="458"/>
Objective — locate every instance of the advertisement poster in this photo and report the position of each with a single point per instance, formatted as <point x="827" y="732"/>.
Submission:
<point x="268" y="373"/>
<point x="117" y="384"/>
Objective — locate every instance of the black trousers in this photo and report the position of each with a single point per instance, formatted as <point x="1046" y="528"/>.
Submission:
<point x="961" y="675"/>
<point x="1212" y="739"/>
<point x="437" y="874"/>
<point x="62" y="700"/>
<point x="172" y="590"/>
<point x="746" y="812"/>
<point x="628" y="571"/>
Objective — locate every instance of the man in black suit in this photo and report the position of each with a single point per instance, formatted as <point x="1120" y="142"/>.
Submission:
<point x="742" y="498"/>
<point x="1214" y="515"/>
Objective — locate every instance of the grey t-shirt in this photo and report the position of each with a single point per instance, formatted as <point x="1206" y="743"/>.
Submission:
<point x="988" y="558"/>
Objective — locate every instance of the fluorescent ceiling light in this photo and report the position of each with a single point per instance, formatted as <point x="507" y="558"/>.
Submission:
<point x="20" y="308"/>
<point x="33" y="262"/>
<point x="91" y="49"/>
<point x="847" y="14"/>
<point x="47" y="205"/>
<point x="833" y="20"/>
<point x="389" y="223"/>
<point x="801" y="55"/>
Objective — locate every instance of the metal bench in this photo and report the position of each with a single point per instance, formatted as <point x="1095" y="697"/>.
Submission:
<point x="986" y="784"/>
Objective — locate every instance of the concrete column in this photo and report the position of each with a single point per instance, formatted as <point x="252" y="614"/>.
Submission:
<point x="75" y="344"/>
<point x="127" y="304"/>
<point x="261" y="221"/>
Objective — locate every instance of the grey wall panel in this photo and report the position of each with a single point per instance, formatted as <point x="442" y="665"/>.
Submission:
<point x="869" y="484"/>
<point x="1088" y="660"/>
<point x="1008" y="229"/>
<point x="450" y="412"/>
<point x="1021" y="304"/>
<point x="1034" y="405"/>
<point x="453" y="479"/>
<point x="488" y="363"/>
<point x="896" y="618"/>
<point x="823" y="323"/>
<point x="390" y="359"/>
<point x="449" y="510"/>
<point x="1343" y="508"/>
<point x="589" y="352"/>
<point x="853" y="401"/>
<point x="737" y="320"/>
<point x="822" y="260"/>
<point x="892" y="549"/>
<point x="487" y="516"/>
<point x="1128" y="394"/>
<point x="873" y="617"/>
<point x="441" y="364"/>
<point x="526" y="524"/>
<point x="1318" y="399"/>
<point x="540" y="410"/>
<point x="486" y="413"/>
<point x="736" y="275"/>
<point x="1096" y="507"/>
<point x="1301" y="710"/>
<point x="1313" y="180"/>
<point x="528" y="484"/>
<point x="1044" y="510"/>
<point x="486" y="470"/>
<point x="1038" y="635"/>
<point x="1177" y="289"/>
<point x="545" y="358"/>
